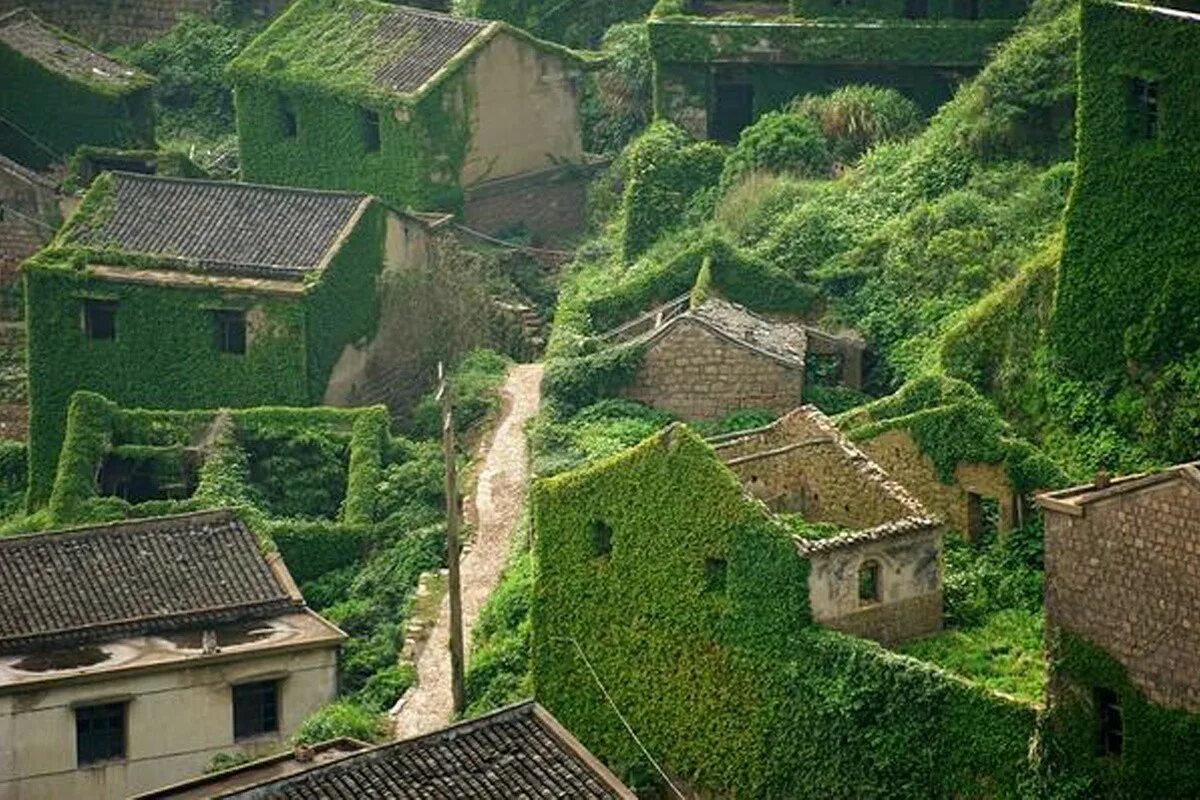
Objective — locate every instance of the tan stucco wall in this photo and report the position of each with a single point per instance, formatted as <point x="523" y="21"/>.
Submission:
<point x="910" y="585"/>
<point x="697" y="374"/>
<point x="897" y="452"/>
<point x="525" y="112"/>
<point x="177" y="720"/>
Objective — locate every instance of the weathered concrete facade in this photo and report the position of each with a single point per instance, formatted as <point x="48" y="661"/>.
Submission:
<point x="803" y="464"/>
<point x="1122" y="562"/>
<point x="961" y="504"/>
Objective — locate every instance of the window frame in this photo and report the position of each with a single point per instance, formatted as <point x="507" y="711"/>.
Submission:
<point x="222" y="319"/>
<point x="870" y="567"/>
<point x="258" y="689"/>
<point x="87" y="320"/>
<point x="111" y="753"/>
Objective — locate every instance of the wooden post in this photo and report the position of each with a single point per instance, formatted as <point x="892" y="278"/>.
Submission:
<point x="452" y="545"/>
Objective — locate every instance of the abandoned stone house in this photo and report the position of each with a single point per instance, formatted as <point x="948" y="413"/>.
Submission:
<point x="716" y="70"/>
<point x="58" y="94"/>
<point x="422" y="109"/>
<point x="708" y="361"/>
<point x="517" y="751"/>
<point x="130" y="21"/>
<point x="1122" y="601"/>
<point x="802" y="464"/>
<point x="172" y="293"/>
<point x="132" y="653"/>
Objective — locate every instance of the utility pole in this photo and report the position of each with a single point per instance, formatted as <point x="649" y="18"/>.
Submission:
<point x="452" y="545"/>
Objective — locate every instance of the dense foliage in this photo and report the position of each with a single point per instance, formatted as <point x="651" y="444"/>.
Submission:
<point x="582" y="23"/>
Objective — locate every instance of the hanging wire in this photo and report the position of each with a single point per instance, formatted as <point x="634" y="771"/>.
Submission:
<point x="620" y="716"/>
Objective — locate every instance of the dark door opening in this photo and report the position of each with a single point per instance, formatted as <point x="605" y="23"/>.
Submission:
<point x="733" y="110"/>
<point x="916" y="9"/>
<point x="983" y="516"/>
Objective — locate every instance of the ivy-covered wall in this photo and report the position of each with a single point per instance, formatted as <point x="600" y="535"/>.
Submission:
<point x="1128" y="283"/>
<point x="577" y="24"/>
<point x="164" y="354"/>
<point x="691" y="607"/>
<point x="62" y="113"/>
<point x="891" y="9"/>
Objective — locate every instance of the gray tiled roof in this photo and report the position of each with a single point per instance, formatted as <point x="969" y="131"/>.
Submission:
<point x="420" y="43"/>
<point x="518" y="752"/>
<point x="784" y="341"/>
<point x="133" y="578"/>
<point x="223" y="227"/>
<point x="28" y="35"/>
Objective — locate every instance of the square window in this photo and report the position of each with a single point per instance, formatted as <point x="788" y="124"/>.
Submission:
<point x="370" y="130"/>
<point x="100" y="319"/>
<point x="1143" y="95"/>
<point x="230" y="330"/>
<point x="99" y="733"/>
<point x="255" y="709"/>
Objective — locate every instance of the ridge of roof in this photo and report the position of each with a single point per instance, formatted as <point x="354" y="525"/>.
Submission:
<point x="783" y="342"/>
<point x="1160" y="10"/>
<point x="896" y="529"/>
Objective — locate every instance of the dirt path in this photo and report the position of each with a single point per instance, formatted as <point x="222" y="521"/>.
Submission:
<point x="499" y="497"/>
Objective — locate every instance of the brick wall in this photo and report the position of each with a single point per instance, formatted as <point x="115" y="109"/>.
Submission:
<point x="898" y="453"/>
<point x="1125" y="575"/>
<point x="696" y="374"/>
<point x="553" y="207"/>
<point x="107" y="22"/>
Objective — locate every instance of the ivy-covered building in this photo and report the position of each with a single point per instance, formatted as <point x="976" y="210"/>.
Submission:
<point x="1128" y="286"/>
<point x="173" y="293"/>
<point x="422" y="109"/>
<point x="58" y="94"/>
<point x="719" y="66"/>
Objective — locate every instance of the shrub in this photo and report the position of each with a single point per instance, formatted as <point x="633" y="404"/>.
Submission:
<point x="779" y="142"/>
<point x="385" y="687"/>
<point x="342" y="719"/>
<point x="856" y="118"/>
<point x="617" y="100"/>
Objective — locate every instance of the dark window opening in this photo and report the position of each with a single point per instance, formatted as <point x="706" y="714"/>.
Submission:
<point x="823" y="369"/>
<point x="230" y="330"/>
<point x="916" y="9"/>
<point x="288" y="124"/>
<point x="869" y="588"/>
<point x="715" y="571"/>
<point x="1144" y="102"/>
<point x="983" y="516"/>
<point x="138" y="480"/>
<point x="100" y="319"/>
<point x="370" y="131"/>
<point x="1112" y="725"/>
<point x="99" y="733"/>
<point x="255" y="709"/>
<point x="1" y="212"/>
<point x="733" y="108"/>
<point x="601" y="536"/>
<point x="966" y="9"/>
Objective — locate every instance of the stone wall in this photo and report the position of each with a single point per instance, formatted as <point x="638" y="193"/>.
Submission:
<point x="107" y="22"/>
<point x="697" y="374"/>
<point x="898" y="453"/>
<point x="551" y="205"/>
<point x="1123" y="572"/>
<point x="910" y="588"/>
<point x="29" y="214"/>
<point x="803" y="464"/>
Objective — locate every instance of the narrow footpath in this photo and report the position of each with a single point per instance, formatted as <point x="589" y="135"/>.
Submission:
<point x="499" y="498"/>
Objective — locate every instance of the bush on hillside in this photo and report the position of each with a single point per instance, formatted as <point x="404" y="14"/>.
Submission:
<point x="779" y="142"/>
<point x="342" y="719"/>
<point x="856" y="118"/>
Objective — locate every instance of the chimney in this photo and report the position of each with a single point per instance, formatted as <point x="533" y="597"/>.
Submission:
<point x="1103" y="479"/>
<point x="303" y="753"/>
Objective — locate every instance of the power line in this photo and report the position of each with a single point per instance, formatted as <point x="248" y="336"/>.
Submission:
<point x="620" y="716"/>
<point x="512" y="246"/>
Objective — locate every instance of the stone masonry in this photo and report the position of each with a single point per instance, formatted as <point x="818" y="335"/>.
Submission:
<point x="1123" y="572"/>
<point x="897" y="452"/>
<point x="127" y="21"/>
<point x="696" y="373"/>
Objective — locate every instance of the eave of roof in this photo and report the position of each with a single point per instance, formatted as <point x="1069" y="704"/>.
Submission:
<point x="1161" y="11"/>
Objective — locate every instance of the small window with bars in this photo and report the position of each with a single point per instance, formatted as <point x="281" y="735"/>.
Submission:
<point x="99" y="733"/>
<point x="255" y="709"/>
<point x="229" y="327"/>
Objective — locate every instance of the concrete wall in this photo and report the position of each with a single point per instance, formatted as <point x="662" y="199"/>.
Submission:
<point x="1124" y="576"/>
<point x="910" y="585"/>
<point x="176" y="721"/>
<point x="697" y="374"/>
<point x="897" y="452"/>
<point x="525" y="111"/>
<point x="126" y="21"/>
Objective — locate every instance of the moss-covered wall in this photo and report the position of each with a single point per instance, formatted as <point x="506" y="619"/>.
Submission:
<point x="165" y="354"/>
<point x="888" y="9"/>
<point x="420" y="154"/>
<point x="61" y="114"/>
<point x="717" y="666"/>
<point x="1128" y="282"/>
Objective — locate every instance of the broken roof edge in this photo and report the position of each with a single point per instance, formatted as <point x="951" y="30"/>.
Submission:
<point x="137" y="80"/>
<point x="897" y="529"/>
<point x="1073" y="500"/>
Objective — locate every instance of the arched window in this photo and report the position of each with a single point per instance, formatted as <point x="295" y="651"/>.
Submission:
<point x="870" y="591"/>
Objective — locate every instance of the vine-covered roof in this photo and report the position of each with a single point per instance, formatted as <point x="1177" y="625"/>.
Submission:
<point x="22" y="31"/>
<point x="216" y="226"/>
